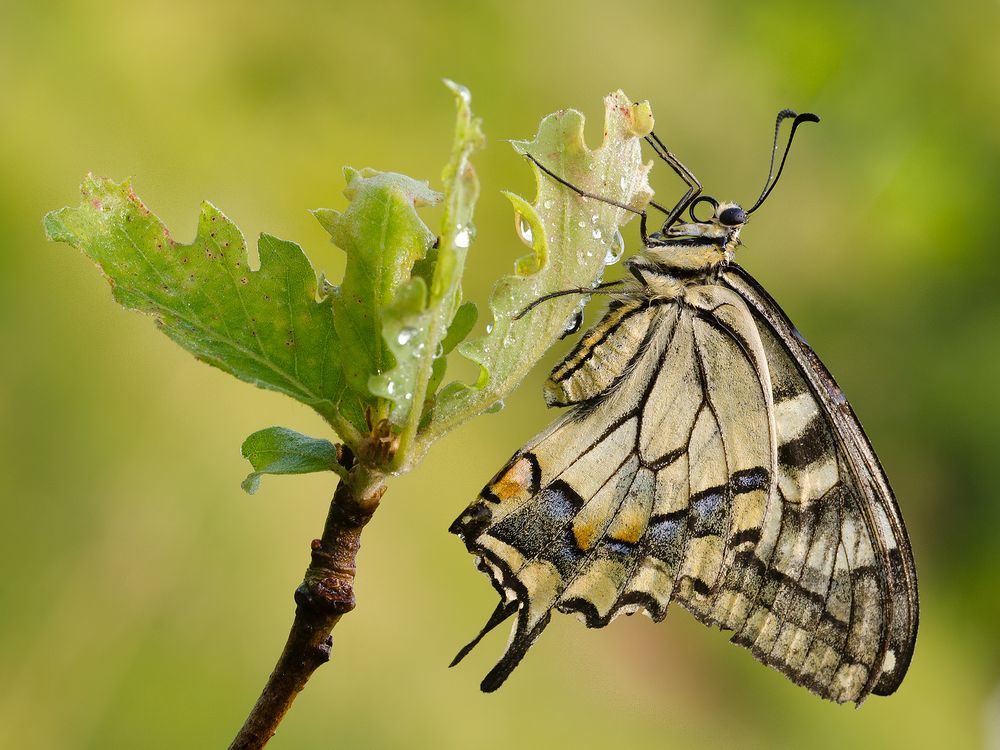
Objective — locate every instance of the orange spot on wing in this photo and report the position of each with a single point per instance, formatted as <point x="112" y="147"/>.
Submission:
<point x="584" y="533"/>
<point x="514" y="482"/>
<point x="629" y="534"/>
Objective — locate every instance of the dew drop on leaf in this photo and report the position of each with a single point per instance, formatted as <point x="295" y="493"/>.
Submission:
<point x="405" y="335"/>
<point x="523" y="230"/>
<point x="462" y="237"/>
<point x="573" y="324"/>
<point x="616" y="249"/>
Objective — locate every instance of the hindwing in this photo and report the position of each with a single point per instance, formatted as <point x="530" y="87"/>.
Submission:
<point x="649" y="489"/>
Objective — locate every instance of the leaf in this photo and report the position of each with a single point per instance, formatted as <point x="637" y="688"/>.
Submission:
<point x="406" y="325"/>
<point x="422" y="324"/>
<point x="458" y="232"/>
<point x="571" y="238"/>
<point x="383" y="237"/>
<point x="278" y="450"/>
<point x="461" y="326"/>
<point x="266" y="327"/>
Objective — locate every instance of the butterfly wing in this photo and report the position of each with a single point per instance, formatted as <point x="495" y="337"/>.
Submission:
<point x="654" y="486"/>
<point x="839" y="610"/>
<point x="709" y="458"/>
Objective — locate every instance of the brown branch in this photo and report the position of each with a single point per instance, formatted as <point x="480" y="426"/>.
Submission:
<point x="326" y="595"/>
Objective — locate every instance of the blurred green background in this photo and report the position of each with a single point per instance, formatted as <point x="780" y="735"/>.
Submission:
<point x="144" y="597"/>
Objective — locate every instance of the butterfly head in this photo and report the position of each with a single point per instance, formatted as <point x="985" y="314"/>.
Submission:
<point x="701" y="246"/>
<point x="723" y="223"/>
<point x="706" y="241"/>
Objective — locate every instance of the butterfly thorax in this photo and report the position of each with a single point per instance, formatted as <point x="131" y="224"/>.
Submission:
<point x="684" y="255"/>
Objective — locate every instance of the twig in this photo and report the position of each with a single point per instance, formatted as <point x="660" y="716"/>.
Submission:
<point x="326" y="595"/>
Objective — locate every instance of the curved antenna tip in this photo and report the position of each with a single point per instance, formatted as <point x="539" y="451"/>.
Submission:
<point x="769" y="183"/>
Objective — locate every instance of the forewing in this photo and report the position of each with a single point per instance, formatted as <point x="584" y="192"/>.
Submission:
<point x="836" y="602"/>
<point x="654" y="487"/>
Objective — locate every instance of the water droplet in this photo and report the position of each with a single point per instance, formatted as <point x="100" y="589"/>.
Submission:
<point x="616" y="249"/>
<point x="405" y="335"/>
<point x="462" y="237"/>
<point x="459" y="89"/>
<point x="623" y="183"/>
<point x="418" y="350"/>
<point x="594" y="218"/>
<point x="590" y="254"/>
<point x="523" y="230"/>
<point x="547" y="204"/>
<point x="495" y="407"/>
<point x="489" y="328"/>
<point x="439" y="350"/>
<point x="597" y="234"/>
<point x="408" y="396"/>
<point x="582" y="224"/>
<point x="390" y="388"/>
<point x="573" y="324"/>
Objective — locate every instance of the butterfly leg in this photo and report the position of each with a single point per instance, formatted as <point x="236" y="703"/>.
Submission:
<point x="694" y="186"/>
<point x="599" y="289"/>
<point x="641" y="214"/>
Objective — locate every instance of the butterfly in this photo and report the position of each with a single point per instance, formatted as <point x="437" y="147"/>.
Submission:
<point x="706" y="457"/>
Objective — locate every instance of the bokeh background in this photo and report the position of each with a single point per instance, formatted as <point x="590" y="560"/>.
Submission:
<point x="144" y="597"/>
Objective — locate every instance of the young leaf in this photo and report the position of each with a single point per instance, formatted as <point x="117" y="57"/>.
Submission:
<point x="406" y="324"/>
<point x="383" y="237"/>
<point x="461" y="326"/>
<point x="278" y="450"/>
<point x="572" y="238"/>
<point x="264" y="326"/>
<point x="426" y="320"/>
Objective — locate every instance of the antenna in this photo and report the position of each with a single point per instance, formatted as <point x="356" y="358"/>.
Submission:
<point x="769" y="183"/>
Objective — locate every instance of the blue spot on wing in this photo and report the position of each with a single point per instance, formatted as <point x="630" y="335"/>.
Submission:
<point x="708" y="511"/>
<point x="543" y="527"/>
<point x="664" y="538"/>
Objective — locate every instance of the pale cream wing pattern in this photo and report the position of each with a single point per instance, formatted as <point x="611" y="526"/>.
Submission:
<point x="683" y="472"/>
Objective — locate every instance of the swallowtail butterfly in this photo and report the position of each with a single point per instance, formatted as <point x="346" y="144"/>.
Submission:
<point x="706" y="457"/>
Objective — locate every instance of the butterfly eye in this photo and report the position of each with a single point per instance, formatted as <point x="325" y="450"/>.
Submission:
<point x="733" y="216"/>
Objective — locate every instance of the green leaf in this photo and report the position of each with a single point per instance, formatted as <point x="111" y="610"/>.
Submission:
<point x="266" y="326"/>
<point x="571" y="239"/>
<point x="278" y="450"/>
<point x="383" y="237"/>
<point x="423" y="324"/>
<point x="457" y="232"/>
<point x="406" y="327"/>
<point x="461" y="326"/>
